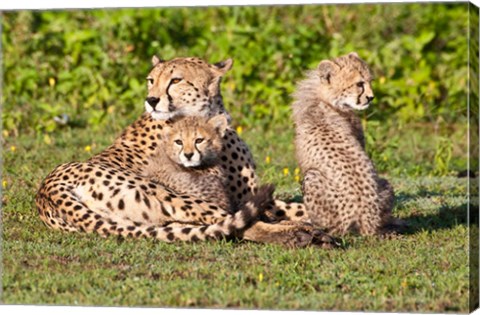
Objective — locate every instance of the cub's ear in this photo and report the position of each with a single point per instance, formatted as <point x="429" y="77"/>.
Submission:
<point x="156" y="60"/>
<point x="220" y="68"/>
<point x="353" y="55"/>
<point x="167" y="129"/>
<point x="170" y="124"/>
<point x="219" y="123"/>
<point x="326" y="69"/>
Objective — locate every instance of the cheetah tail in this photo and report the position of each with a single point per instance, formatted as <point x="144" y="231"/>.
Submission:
<point x="231" y="226"/>
<point x="248" y="214"/>
<point x="254" y="208"/>
<point x="234" y="224"/>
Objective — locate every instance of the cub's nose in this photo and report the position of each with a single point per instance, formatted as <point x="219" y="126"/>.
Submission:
<point x="370" y="98"/>
<point x="188" y="155"/>
<point x="152" y="101"/>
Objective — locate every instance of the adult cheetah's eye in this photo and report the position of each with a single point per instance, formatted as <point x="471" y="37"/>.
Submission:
<point x="199" y="140"/>
<point x="360" y="84"/>
<point x="178" y="142"/>
<point x="175" y="80"/>
<point x="150" y="80"/>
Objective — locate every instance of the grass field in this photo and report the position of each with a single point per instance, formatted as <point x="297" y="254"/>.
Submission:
<point x="90" y="66"/>
<point x="424" y="270"/>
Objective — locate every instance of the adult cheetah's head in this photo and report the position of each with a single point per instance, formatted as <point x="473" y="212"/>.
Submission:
<point x="185" y="86"/>
<point x="345" y="82"/>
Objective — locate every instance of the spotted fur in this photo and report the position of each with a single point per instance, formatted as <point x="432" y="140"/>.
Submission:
<point x="342" y="191"/>
<point x="112" y="193"/>
<point x="120" y="191"/>
<point x="190" y="165"/>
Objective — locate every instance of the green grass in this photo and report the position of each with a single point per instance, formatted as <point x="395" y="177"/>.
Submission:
<point x="416" y="130"/>
<point x="424" y="270"/>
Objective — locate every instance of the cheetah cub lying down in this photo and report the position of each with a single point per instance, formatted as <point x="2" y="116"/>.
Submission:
<point x="190" y="163"/>
<point x="342" y="191"/>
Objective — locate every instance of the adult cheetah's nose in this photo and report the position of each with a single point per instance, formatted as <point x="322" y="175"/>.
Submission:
<point x="152" y="101"/>
<point x="370" y="98"/>
<point x="188" y="155"/>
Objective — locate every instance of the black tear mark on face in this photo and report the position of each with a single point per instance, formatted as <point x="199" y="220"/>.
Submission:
<point x="171" y="106"/>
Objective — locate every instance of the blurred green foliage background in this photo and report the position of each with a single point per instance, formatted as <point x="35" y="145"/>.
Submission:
<point x="90" y="66"/>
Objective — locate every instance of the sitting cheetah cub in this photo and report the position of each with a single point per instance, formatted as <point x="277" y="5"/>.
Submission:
<point x="190" y="165"/>
<point x="342" y="191"/>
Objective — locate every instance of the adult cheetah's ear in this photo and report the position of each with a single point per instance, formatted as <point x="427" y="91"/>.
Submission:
<point x="326" y="69"/>
<point x="219" y="123"/>
<point x="220" y="68"/>
<point x="156" y="60"/>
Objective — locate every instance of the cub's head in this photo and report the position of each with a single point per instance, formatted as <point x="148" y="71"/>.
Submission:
<point x="345" y="82"/>
<point x="185" y="86"/>
<point x="194" y="141"/>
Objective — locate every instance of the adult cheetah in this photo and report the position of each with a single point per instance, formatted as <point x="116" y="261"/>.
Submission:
<point x="342" y="191"/>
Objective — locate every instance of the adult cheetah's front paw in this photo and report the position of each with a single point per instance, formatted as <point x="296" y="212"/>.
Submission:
<point x="314" y="237"/>
<point x="324" y="240"/>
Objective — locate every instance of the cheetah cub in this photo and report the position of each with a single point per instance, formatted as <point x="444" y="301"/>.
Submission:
<point x="190" y="164"/>
<point x="342" y="191"/>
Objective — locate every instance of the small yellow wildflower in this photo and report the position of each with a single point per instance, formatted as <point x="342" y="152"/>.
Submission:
<point x="404" y="284"/>
<point x="5" y="134"/>
<point x="51" y="81"/>
<point x="239" y="130"/>
<point x="297" y="178"/>
<point x="296" y="171"/>
<point x="260" y="277"/>
<point x="88" y="148"/>
<point x="268" y="160"/>
<point x="277" y="284"/>
<point x="13" y="148"/>
<point x="47" y="139"/>
<point x="4" y="184"/>
<point x="286" y="171"/>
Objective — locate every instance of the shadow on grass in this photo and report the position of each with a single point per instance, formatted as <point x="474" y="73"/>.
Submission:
<point x="403" y="197"/>
<point x="447" y="216"/>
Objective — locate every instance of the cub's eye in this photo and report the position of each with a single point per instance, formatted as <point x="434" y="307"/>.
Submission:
<point x="199" y="140"/>
<point x="360" y="84"/>
<point x="150" y="80"/>
<point x="175" y="81"/>
<point x="178" y="142"/>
